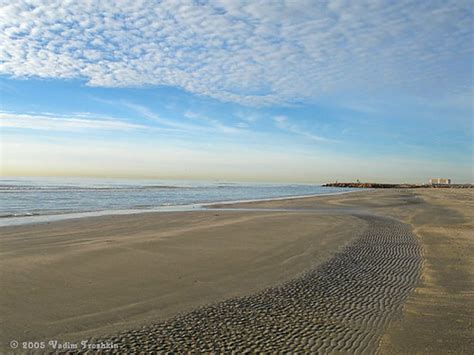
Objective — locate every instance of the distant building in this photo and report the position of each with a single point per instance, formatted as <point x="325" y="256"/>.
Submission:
<point x="440" y="181"/>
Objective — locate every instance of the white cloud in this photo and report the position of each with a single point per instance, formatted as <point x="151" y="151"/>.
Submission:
<point x="149" y="114"/>
<point x="249" y="117"/>
<point x="283" y="123"/>
<point x="280" y="121"/>
<point x="204" y="124"/>
<point x="213" y="123"/>
<point x="253" y="53"/>
<point x="81" y="121"/>
<point x="51" y="122"/>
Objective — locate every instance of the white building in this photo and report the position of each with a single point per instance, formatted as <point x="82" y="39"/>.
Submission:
<point x="440" y="181"/>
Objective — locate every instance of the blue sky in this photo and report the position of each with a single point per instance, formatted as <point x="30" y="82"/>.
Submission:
<point x="298" y="91"/>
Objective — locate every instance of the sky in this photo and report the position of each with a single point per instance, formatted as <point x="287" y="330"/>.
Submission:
<point x="287" y="91"/>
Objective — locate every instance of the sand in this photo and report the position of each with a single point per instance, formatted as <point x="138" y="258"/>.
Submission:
<point x="341" y="306"/>
<point x="386" y="271"/>
<point x="77" y="278"/>
<point x="438" y="316"/>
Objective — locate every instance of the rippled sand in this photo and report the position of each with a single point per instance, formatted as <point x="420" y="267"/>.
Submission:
<point x="344" y="305"/>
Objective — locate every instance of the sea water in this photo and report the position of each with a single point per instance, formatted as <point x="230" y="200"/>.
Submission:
<point x="26" y="200"/>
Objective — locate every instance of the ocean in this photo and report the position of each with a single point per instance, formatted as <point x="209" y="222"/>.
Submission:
<point x="29" y="200"/>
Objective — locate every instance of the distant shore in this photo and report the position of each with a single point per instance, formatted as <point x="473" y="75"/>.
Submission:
<point x="374" y="185"/>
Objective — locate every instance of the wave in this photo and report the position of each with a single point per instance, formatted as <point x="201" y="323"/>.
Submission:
<point x="15" y="188"/>
<point x="23" y="214"/>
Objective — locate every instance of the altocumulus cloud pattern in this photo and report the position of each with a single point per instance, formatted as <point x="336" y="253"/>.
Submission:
<point x="252" y="53"/>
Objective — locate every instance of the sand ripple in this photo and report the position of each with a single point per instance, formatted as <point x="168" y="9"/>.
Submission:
<point x="344" y="305"/>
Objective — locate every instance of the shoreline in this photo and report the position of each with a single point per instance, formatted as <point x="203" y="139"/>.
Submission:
<point x="48" y="218"/>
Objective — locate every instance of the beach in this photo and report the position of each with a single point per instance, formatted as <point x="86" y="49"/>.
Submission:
<point x="371" y="271"/>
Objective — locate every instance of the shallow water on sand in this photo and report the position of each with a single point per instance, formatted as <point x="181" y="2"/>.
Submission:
<point x="29" y="197"/>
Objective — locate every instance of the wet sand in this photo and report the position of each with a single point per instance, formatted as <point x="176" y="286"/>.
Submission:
<point x="388" y="271"/>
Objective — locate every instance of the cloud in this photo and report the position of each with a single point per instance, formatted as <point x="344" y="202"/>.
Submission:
<point x="213" y="123"/>
<point x="204" y="124"/>
<point x="51" y="122"/>
<point x="252" y="53"/>
<point x="249" y="117"/>
<point x="149" y="114"/>
<point x="283" y="123"/>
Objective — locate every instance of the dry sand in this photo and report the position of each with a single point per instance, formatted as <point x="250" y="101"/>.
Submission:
<point x="438" y="316"/>
<point x="351" y="279"/>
